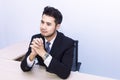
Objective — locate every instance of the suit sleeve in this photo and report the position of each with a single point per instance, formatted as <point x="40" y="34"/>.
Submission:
<point x="63" y="67"/>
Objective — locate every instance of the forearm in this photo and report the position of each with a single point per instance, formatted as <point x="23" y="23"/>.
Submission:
<point x="31" y="56"/>
<point x="26" y="63"/>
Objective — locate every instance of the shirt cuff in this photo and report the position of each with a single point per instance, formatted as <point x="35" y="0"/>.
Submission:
<point x="30" y="63"/>
<point x="48" y="60"/>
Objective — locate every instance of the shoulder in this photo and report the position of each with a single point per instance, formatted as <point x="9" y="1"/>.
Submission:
<point x="65" y="38"/>
<point x="37" y="36"/>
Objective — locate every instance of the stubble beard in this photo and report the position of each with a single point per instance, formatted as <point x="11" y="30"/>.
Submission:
<point x="50" y="35"/>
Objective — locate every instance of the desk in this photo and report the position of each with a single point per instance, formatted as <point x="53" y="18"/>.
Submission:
<point x="14" y="51"/>
<point x="10" y="70"/>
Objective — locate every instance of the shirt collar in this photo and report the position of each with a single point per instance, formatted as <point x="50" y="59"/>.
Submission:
<point x="51" y="42"/>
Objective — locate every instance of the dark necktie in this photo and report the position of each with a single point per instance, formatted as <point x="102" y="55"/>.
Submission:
<point x="47" y="46"/>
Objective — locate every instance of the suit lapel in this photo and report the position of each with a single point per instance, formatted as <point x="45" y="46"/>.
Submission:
<point x="57" y="43"/>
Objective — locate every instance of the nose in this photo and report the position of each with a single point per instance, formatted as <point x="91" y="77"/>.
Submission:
<point x="43" y="26"/>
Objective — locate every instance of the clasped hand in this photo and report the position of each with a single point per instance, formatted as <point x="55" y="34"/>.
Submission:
<point x="37" y="47"/>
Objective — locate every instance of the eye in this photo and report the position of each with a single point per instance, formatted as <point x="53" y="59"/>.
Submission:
<point x="42" y="21"/>
<point x="49" y="24"/>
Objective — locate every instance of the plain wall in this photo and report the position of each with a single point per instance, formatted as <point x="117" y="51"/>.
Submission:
<point x="95" y="23"/>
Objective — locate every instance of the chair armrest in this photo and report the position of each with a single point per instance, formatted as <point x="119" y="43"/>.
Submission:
<point x="78" y="66"/>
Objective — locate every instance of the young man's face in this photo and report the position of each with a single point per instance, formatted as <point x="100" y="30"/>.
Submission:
<point x="48" y="27"/>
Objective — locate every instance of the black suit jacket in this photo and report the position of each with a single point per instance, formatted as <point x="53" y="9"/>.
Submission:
<point x="62" y="53"/>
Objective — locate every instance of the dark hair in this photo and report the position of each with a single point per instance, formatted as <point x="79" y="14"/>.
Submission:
<point x="51" y="11"/>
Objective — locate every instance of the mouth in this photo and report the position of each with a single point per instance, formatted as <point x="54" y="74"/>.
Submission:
<point x="43" y="31"/>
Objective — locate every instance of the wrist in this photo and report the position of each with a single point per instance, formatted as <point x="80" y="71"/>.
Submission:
<point x="46" y="55"/>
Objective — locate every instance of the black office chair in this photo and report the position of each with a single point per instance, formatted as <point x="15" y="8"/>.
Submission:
<point x="76" y="65"/>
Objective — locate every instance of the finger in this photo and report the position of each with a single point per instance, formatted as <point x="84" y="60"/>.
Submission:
<point x="32" y="46"/>
<point x="35" y="45"/>
<point x="40" y="39"/>
<point x="36" y="40"/>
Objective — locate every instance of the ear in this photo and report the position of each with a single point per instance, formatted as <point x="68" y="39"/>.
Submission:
<point x="57" y="26"/>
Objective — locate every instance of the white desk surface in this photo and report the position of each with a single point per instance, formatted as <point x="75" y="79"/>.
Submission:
<point x="10" y="70"/>
<point x="14" y="51"/>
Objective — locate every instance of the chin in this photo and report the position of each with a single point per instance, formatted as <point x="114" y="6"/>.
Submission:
<point x="45" y="35"/>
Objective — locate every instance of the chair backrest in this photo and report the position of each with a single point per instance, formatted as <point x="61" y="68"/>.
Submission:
<point x="76" y="64"/>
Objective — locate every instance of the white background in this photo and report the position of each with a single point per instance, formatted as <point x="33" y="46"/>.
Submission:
<point x="95" y="23"/>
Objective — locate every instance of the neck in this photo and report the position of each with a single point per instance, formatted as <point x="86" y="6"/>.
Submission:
<point x="49" y="38"/>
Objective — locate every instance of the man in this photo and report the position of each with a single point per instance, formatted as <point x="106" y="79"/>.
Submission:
<point x="58" y="59"/>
